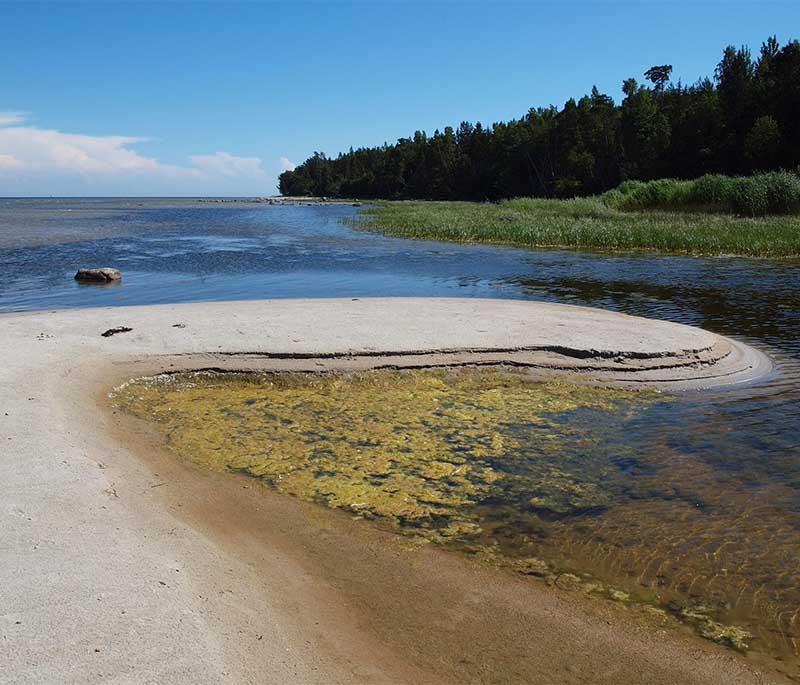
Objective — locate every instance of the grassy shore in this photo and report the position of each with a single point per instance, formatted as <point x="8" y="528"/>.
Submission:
<point x="587" y="223"/>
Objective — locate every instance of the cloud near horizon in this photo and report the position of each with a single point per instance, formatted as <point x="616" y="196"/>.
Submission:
<point x="10" y="118"/>
<point x="45" y="161"/>
<point x="227" y="165"/>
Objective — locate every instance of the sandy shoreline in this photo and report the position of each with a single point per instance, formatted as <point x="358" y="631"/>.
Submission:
<point x="123" y="564"/>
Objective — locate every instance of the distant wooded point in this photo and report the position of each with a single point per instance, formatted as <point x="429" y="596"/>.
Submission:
<point x="746" y="119"/>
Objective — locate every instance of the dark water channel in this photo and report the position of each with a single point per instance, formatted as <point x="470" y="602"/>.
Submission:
<point x="707" y="497"/>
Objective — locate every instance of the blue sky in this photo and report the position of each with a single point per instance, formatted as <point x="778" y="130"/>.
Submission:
<point x="217" y="98"/>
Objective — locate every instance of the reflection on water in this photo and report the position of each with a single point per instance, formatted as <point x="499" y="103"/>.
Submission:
<point x="709" y="466"/>
<point x="645" y="498"/>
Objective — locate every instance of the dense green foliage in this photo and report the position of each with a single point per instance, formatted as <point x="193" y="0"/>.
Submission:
<point x="746" y="119"/>
<point x="776" y="192"/>
<point x="588" y="223"/>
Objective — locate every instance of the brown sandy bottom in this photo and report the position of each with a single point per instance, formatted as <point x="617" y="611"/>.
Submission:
<point x="483" y="462"/>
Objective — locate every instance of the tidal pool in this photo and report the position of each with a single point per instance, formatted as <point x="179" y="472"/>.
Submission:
<point x="592" y="489"/>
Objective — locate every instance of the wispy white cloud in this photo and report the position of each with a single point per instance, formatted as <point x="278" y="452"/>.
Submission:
<point x="11" y="118"/>
<point x="44" y="160"/>
<point x="287" y="164"/>
<point x="224" y="164"/>
<point x="9" y="162"/>
<point x="38" y="150"/>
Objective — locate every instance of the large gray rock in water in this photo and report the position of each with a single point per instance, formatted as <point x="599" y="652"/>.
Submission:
<point x="103" y="275"/>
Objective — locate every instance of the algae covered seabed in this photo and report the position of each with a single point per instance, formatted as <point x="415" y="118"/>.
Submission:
<point x="591" y="489"/>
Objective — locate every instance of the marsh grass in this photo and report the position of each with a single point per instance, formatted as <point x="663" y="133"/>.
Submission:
<point x="595" y="223"/>
<point x="758" y="195"/>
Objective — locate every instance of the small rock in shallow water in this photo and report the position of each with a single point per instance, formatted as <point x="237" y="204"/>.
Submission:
<point x="102" y="275"/>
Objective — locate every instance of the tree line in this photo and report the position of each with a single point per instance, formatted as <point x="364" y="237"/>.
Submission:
<point x="743" y="120"/>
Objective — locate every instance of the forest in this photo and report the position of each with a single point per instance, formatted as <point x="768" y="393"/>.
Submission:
<point x="744" y="119"/>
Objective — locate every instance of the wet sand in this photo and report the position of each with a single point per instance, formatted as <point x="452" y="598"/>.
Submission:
<point x="121" y="562"/>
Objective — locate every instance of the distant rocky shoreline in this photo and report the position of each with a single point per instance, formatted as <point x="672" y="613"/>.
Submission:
<point x="281" y="200"/>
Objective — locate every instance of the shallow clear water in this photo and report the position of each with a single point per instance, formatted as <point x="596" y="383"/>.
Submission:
<point x="712" y="497"/>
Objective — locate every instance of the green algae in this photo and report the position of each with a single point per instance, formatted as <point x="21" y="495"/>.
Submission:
<point x="700" y="616"/>
<point x="482" y="460"/>
<point x="414" y="449"/>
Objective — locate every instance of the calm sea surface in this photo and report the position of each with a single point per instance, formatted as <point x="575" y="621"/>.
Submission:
<point x="706" y="505"/>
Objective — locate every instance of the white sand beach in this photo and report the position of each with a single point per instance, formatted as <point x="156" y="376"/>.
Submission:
<point x="120" y="564"/>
